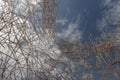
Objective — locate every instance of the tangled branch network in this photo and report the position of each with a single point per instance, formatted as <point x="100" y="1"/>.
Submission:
<point x="30" y="49"/>
<point x="27" y="46"/>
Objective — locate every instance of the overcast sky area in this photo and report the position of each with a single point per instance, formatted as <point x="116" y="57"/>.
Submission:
<point x="85" y="17"/>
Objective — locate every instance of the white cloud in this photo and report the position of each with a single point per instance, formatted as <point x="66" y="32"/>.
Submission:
<point x="106" y="3"/>
<point x="111" y="14"/>
<point x="62" y="21"/>
<point x="72" y="33"/>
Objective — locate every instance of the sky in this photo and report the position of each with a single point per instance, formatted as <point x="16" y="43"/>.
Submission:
<point x="90" y="17"/>
<point x="78" y="19"/>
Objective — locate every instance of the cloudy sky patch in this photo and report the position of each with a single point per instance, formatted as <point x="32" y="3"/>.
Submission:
<point x="110" y="14"/>
<point x="72" y="32"/>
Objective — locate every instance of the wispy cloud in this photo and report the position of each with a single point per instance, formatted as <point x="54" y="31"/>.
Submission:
<point x="62" y="21"/>
<point x="72" y="33"/>
<point x="111" y="14"/>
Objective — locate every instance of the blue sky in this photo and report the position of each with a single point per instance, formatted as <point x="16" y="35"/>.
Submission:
<point x="77" y="19"/>
<point x="91" y="16"/>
